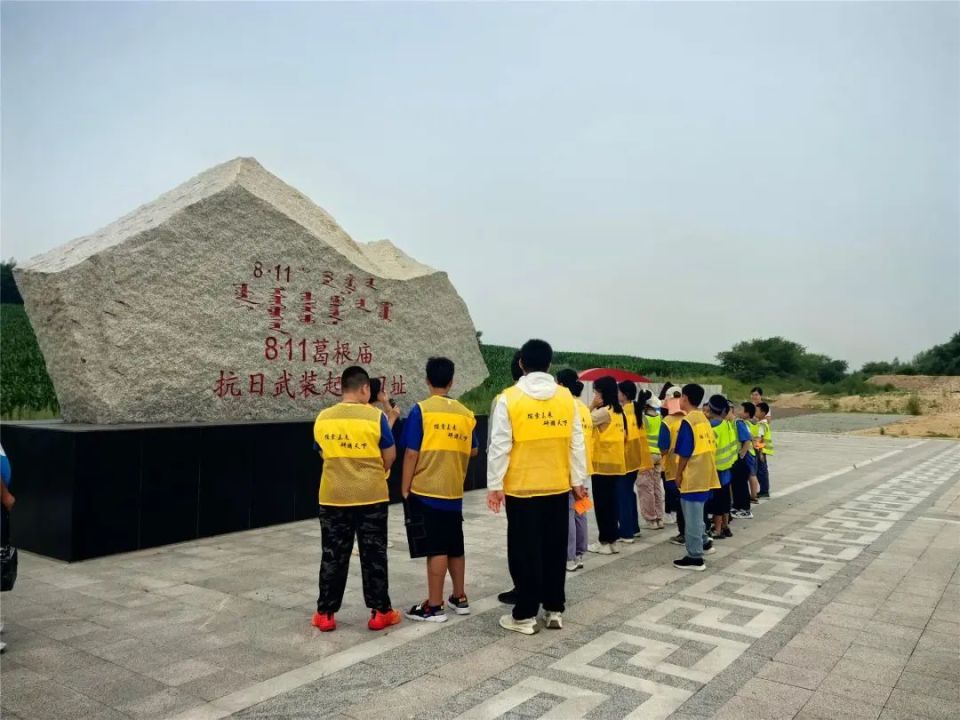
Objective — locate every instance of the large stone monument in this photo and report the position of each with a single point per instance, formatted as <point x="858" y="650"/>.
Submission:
<point x="234" y="297"/>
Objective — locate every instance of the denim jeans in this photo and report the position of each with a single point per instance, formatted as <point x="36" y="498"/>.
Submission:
<point x="576" y="533"/>
<point x="763" y="475"/>
<point x="695" y="532"/>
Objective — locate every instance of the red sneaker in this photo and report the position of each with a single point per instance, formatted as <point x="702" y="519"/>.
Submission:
<point x="324" y="622"/>
<point x="380" y="620"/>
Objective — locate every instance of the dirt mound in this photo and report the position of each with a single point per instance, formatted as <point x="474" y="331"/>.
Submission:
<point x="919" y="383"/>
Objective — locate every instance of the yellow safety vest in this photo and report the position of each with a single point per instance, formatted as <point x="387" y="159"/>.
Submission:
<point x="445" y="449"/>
<point x="349" y="437"/>
<point x="768" y="439"/>
<point x="636" y="451"/>
<point x="542" y="430"/>
<point x="727" y="444"/>
<point x="700" y="473"/>
<point x="669" y="458"/>
<point x="653" y="423"/>
<point x="609" y="446"/>
<point x="586" y="421"/>
<point x="754" y="427"/>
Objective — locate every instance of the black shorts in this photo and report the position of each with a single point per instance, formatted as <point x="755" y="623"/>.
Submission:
<point x="719" y="503"/>
<point x="431" y="531"/>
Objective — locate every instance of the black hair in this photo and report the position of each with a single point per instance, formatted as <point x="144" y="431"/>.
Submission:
<point x="571" y="381"/>
<point x="694" y="393"/>
<point x="516" y="372"/>
<point x="663" y="391"/>
<point x="763" y="406"/>
<point x="354" y="378"/>
<point x="536" y="355"/>
<point x="440" y="372"/>
<point x="757" y="389"/>
<point x="629" y="390"/>
<point x="376" y="385"/>
<point x="607" y="387"/>
<point x="750" y="408"/>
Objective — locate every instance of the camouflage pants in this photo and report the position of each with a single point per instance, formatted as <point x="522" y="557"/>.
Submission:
<point x="338" y="525"/>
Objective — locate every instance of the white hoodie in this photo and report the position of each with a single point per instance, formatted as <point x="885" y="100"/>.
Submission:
<point x="540" y="386"/>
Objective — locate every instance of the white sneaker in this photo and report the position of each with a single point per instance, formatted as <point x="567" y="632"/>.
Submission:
<point x="653" y="525"/>
<point x="524" y="627"/>
<point x="628" y="541"/>
<point x="572" y="566"/>
<point x="3" y="646"/>
<point x="670" y="518"/>
<point x="579" y="561"/>
<point x="615" y="548"/>
<point x="600" y="548"/>
<point x="553" y="620"/>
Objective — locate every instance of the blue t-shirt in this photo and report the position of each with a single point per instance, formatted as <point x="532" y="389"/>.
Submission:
<point x="5" y="470"/>
<point x="743" y="435"/>
<point x="412" y="440"/>
<point x="685" y="445"/>
<point x="663" y="442"/>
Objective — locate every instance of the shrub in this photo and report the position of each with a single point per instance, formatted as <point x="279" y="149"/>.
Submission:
<point x="913" y="405"/>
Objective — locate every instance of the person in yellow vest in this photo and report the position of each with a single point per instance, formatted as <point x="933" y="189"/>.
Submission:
<point x="696" y="450"/>
<point x="357" y="448"/>
<point x="507" y="597"/>
<point x="609" y="462"/>
<point x="719" y="414"/>
<point x="440" y="438"/>
<point x="637" y="458"/>
<point x="536" y="456"/>
<point x="766" y="449"/>
<point x="667" y="443"/>
<point x="577" y="522"/>
<point x="650" y="482"/>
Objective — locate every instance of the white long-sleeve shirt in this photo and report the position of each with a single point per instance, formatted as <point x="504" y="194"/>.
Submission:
<point x="540" y="386"/>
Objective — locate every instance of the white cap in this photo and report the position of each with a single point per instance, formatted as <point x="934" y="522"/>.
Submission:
<point x="653" y="402"/>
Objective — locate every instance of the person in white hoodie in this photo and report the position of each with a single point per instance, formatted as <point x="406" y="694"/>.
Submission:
<point x="536" y="457"/>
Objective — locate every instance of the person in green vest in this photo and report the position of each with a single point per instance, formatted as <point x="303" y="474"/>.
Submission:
<point x="719" y="414"/>
<point x="766" y="449"/>
<point x="650" y="481"/>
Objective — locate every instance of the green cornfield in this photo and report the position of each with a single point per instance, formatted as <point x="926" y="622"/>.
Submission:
<point x="25" y="388"/>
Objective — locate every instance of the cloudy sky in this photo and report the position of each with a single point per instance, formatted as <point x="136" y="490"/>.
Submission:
<point x="654" y="179"/>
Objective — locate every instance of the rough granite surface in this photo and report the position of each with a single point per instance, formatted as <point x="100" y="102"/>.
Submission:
<point x="234" y="297"/>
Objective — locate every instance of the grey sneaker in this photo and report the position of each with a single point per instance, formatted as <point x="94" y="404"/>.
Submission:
<point x="527" y="626"/>
<point x="553" y="620"/>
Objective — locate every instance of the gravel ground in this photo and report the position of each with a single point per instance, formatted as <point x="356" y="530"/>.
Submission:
<point x="833" y="422"/>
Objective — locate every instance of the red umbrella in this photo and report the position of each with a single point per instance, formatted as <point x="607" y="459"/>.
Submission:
<point x="618" y="375"/>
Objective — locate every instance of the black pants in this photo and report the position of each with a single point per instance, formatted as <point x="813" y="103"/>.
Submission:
<point x="740" y="485"/>
<point x="606" y="506"/>
<point x="537" y="552"/>
<point x="671" y="502"/>
<point x="338" y="525"/>
<point x="4" y="526"/>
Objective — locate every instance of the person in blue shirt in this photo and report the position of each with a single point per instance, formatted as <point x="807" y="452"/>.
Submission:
<point x="746" y="465"/>
<point x="440" y="438"/>
<point x="6" y="504"/>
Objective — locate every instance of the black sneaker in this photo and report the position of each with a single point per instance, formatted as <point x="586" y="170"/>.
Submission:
<point x="678" y="540"/>
<point x="689" y="563"/>
<point x="708" y="548"/>
<point x="764" y="495"/>
<point x="460" y="605"/>
<point x="509" y="597"/>
<point x="727" y="533"/>
<point x="425" y="612"/>
<point x="713" y="535"/>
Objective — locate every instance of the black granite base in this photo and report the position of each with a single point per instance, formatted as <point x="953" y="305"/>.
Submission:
<point x="85" y="491"/>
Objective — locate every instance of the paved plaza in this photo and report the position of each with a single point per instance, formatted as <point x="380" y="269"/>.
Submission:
<point x="840" y="600"/>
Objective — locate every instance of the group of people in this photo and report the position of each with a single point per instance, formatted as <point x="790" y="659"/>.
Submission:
<point x="667" y="459"/>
